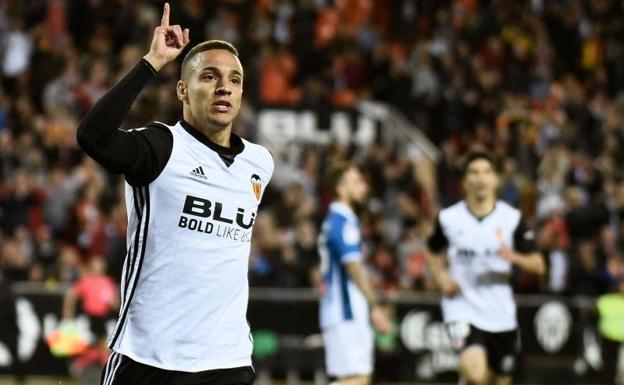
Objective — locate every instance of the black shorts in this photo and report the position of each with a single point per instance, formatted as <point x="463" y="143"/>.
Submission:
<point x="121" y="370"/>
<point x="501" y="348"/>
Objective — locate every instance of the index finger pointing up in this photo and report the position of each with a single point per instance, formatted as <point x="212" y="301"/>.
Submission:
<point x="164" y="22"/>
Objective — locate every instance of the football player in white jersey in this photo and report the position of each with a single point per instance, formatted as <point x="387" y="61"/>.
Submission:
<point x="192" y="193"/>
<point x="484" y="240"/>
<point x="349" y="304"/>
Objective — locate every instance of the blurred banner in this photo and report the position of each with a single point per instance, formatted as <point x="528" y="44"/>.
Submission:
<point x="558" y="338"/>
<point x="368" y="123"/>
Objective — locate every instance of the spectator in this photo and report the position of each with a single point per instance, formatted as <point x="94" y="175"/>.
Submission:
<point x="542" y="86"/>
<point x="98" y="296"/>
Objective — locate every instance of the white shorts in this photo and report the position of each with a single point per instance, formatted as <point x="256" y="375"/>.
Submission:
<point x="349" y="349"/>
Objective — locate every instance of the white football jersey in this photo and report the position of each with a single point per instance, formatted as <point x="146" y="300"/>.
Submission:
<point x="184" y="288"/>
<point x="483" y="275"/>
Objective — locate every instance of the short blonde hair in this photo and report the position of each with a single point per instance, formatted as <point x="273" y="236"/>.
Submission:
<point x="206" y="46"/>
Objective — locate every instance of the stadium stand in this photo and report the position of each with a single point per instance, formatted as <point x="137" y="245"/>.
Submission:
<point x="538" y="83"/>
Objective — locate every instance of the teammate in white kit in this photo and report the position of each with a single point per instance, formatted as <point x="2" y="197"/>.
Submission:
<point x="348" y="304"/>
<point x="192" y="194"/>
<point x="484" y="239"/>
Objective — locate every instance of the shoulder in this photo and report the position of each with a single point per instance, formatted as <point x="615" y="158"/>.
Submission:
<point x="155" y="125"/>
<point x="260" y="158"/>
<point x="110" y="283"/>
<point x="344" y="231"/>
<point x="82" y="285"/>
<point x="335" y="222"/>
<point x="508" y="211"/>
<point x="260" y="152"/>
<point x="160" y="125"/>
<point x="153" y="129"/>
<point x="451" y="212"/>
<point x="78" y="285"/>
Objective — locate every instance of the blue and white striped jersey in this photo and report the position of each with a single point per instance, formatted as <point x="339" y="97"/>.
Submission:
<point x="340" y="243"/>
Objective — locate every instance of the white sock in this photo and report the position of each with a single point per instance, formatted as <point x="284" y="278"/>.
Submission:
<point x="334" y="383"/>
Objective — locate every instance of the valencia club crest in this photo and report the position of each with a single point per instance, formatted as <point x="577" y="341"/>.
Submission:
<point x="256" y="185"/>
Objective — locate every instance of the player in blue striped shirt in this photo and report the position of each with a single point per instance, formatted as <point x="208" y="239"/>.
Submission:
<point x="348" y="304"/>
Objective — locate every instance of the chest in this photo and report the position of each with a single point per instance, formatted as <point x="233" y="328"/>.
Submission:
<point x="198" y="191"/>
<point x="197" y="172"/>
<point x="470" y="238"/>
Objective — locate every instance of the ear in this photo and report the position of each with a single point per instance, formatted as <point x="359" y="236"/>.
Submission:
<point x="182" y="91"/>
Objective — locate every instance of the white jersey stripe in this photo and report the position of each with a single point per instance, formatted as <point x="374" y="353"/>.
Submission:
<point x="113" y="360"/>
<point x="138" y="204"/>
<point x="131" y="276"/>
<point x="139" y="252"/>
<point x="107" y="369"/>
<point x="116" y="366"/>
<point x="126" y="272"/>
<point x="128" y="266"/>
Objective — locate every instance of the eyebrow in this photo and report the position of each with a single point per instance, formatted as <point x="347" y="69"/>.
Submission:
<point x="217" y="70"/>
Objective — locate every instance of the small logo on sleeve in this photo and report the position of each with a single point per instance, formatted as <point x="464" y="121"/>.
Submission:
<point x="256" y="185"/>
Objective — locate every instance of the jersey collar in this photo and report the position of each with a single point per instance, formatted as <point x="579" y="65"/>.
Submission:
<point x="342" y="209"/>
<point x="227" y="154"/>
<point x="479" y="219"/>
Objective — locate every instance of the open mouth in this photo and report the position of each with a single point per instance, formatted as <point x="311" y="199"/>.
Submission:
<point x="222" y="105"/>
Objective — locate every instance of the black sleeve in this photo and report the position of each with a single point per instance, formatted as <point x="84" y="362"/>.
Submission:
<point x="437" y="242"/>
<point x="139" y="154"/>
<point x="524" y="238"/>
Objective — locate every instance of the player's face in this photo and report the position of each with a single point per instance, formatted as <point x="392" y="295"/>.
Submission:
<point x="215" y="87"/>
<point x="354" y="186"/>
<point x="480" y="180"/>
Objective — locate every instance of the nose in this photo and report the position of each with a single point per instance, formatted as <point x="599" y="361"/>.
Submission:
<point x="222" y="90"/>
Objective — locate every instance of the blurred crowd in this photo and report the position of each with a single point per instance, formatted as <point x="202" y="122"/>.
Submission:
<point x="538" y="83"/>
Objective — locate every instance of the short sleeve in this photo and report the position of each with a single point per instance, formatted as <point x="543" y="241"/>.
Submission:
<point x="524" y="238"/>
<point x="438" y="241"/>
<point x="349" y="243"/>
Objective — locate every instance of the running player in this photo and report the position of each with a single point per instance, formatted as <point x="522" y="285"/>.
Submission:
<point x="348" y="304"/>
<point x="484" y="239"/>
<point x="192" y="193"/>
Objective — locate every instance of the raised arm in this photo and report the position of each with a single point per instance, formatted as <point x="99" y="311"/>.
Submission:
<point x="139" y="154"/>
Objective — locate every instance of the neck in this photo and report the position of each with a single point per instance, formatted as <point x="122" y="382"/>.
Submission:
<point x="480" y="207"/>
<point x="218" y="135"/>
<point x="345" y="202"/>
